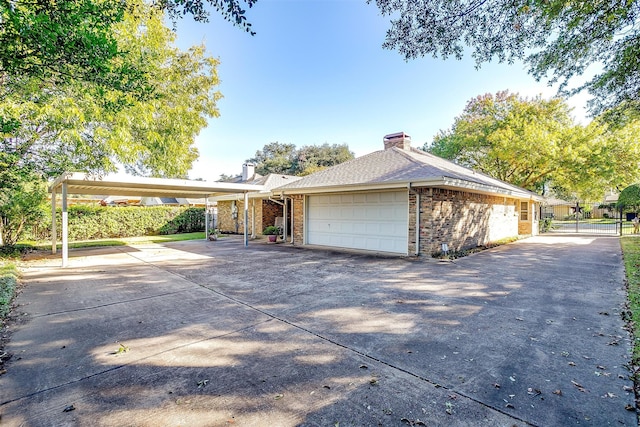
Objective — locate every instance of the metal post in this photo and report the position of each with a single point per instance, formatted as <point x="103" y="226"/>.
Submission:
<point x="206" y="217"/>
<point x="65" y="227"/>
<point x="54" y="229"/>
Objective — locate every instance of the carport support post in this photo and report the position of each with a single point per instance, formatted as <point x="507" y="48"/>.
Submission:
<point x="54" y="231"/>
<point x="246" y="219"/>
<point x="206" y="217"/>
<point x="65" y="227"/>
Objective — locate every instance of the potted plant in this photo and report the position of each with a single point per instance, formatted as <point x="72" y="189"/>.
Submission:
<point x="272" y="231"/>
<point x="213" y="235"/>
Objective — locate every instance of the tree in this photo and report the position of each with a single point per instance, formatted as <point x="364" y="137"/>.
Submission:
<point x="533" y="143"/>
<point x="76" y="40"/>
<point x="71" y="128"/>
<point x="274" y="157"/>
<point x="82" y="126"/>
<point x="313" y="158"/>
<point x="629" y="198"/>
<point x="286" y="159"/>
<point x="558" y="39"/>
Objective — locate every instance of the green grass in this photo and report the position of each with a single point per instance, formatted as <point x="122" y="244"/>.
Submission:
<point x="24" y="247"/>
<point x="631" y="254"/>
<point x="8" y="282"/>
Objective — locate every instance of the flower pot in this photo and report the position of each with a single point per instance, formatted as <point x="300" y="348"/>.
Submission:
<point x="273" y="238"/>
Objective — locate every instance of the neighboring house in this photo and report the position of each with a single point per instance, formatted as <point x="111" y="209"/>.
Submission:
<point x="406" y="201"/>
<point x="263" y="208"/>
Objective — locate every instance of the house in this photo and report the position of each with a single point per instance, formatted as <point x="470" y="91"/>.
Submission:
<point x="263" y="208"/>
<point x="406" y="201"/>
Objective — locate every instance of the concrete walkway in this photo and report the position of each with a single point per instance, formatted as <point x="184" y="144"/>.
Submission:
<point x="213" y="334"/>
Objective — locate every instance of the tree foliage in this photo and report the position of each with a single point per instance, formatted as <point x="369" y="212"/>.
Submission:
<point x="50" y="125"/>
<point x="282" y="158"/>
<point x="533" y="143"/>
<point x="69" y="128"/>
<point x="629" y="198"/>
<point x="559" y="39"/>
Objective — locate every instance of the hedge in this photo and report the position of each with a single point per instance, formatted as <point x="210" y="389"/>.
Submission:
<point x="88" y="222"/>
<point x="8" y="282"/>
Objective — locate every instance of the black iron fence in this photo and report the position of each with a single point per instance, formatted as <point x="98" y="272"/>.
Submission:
<point x="574" y="218"/>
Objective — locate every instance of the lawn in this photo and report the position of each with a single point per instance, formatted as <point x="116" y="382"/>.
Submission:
<point x="631" y="253"/>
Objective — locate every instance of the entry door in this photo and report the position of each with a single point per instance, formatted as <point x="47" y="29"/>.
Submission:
<point x="370" y="221"/>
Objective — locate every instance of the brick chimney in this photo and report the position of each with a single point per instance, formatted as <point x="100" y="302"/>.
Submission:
<point x="248" y="171"/>
<point x="400" y="140"/>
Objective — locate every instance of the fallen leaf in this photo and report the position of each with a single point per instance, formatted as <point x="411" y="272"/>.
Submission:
<point x="629" y="407"/>
<point x="579" y="386"/>
<point x="627" y="388"/>
<point x="609" y="395"/>
<point x="203" y="383"/>
<point x="496" y="385"/>
<point x="520" y="319"/>
<point x="69" y="408"/>
<point x="327" y="387"/>
<point x="558" y="392"/>
<point x="509" y="405"/>
<point x="278" y="396"/>
<point x="572" y="364"/>
<point x="373" y="381"/>
<point x="512" y="379"/>
<point x="3" y="371"/>
<point x="601" y="367"/>
<point x="604" y="313"/>
<point x="364" y="367"/>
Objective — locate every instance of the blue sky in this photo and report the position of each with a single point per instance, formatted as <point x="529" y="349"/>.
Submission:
<point x="316" y="72"/>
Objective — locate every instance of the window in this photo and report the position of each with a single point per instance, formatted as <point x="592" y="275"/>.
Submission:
<point x="524" y="211"/>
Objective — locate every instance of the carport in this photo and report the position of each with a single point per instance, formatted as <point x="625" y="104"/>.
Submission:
<point x="82" y="183"/>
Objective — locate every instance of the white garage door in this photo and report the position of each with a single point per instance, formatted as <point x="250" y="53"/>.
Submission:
<point x="371" y="221"/>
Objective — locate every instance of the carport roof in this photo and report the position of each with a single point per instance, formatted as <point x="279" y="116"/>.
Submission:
<point x="82" y="183"/>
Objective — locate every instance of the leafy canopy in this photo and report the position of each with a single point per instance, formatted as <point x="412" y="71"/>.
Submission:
<point x="533" y="143"/>
<point x="282" y="158"/>
<point x="558" y="39"/>
<point x="629" y="198"/>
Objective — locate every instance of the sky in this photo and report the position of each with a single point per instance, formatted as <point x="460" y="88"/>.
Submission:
<point x="316" y="73"/>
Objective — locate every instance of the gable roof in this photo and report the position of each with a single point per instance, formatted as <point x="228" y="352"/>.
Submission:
<point x="397" y="168"/>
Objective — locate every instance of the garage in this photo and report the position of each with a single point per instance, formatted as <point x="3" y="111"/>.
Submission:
<point x="375" y="221"/>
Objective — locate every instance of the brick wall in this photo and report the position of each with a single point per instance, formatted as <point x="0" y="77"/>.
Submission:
<point x="298" y="219"/>
<point x="460" y="219"/>
<point x="227" y="223"/>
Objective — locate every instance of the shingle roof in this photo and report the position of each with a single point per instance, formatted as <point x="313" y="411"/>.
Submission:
<point x="395" y="165"/>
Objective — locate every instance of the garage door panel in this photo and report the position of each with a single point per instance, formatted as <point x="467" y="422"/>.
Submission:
<point x="371" y="221"/>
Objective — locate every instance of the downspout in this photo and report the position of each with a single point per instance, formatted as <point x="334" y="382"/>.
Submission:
<point x="415" y="193"/>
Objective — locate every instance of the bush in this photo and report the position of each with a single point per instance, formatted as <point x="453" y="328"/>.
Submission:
<point x="8" y="282"/>
<point x="87" y="222"/>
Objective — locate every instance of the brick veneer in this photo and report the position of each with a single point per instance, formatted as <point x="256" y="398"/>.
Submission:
<point x="460" y="219"/>
<point x="265" y="212"/>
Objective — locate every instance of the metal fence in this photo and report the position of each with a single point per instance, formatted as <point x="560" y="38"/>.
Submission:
<point x="574" y="218"/>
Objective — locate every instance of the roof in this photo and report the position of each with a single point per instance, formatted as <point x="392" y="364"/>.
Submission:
<point x="395" y="168"/>
<point x="81" y="183"/>
<point x="268" y="183"/>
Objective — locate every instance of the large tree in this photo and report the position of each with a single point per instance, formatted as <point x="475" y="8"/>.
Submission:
<point x="276" y="157"/>
<point x="81" y="126"/>
<point x="533" y="143"/>
<point x="58" y="41"/>
<point x="559" y="39"/>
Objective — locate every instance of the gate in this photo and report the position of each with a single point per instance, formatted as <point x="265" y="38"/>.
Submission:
<point x="583" y="218"/>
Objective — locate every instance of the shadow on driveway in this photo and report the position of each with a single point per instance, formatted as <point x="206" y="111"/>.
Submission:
<point x="212" y="334"/>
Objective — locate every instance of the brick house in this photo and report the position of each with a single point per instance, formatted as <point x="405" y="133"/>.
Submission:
<point x="406" y="201"/>
<point x="263" y="207"/>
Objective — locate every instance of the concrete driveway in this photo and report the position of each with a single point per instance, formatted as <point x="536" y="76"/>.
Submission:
<point x="213" y="334"/>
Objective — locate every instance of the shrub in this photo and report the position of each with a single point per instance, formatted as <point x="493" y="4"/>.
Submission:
<point x="87" y="222"/>
<point x="8" y="282"/>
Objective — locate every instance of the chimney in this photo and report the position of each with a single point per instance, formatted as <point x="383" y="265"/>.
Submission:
<point x="248" y="171"/>
<point x="400" y="140"/>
